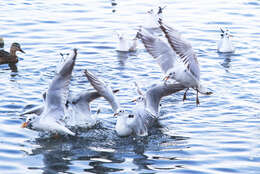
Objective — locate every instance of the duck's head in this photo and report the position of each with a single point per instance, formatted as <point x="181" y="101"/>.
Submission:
<point x="16" y="47"/>
<point x="29" y="121"/>
<point x="225" y="33"/>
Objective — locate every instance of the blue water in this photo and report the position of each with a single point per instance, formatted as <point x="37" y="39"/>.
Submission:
<point x="222" y="135"/>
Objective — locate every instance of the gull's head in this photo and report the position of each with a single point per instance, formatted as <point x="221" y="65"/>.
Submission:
<point x="29" y="121"/>
<point x="16" y="47"/>
<point x="119" y="112"/>
<point x="225" y="33"/>
<point x="139" y="99"/>
<point x="150" y="11"/>
<point x="170" y="75"/>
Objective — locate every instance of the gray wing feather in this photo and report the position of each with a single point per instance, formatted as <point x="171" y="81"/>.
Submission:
<point x="182" y="48"/>
<point x="158" y="49"/>
<point x="155" y="94"/>
<point x="57" y="93"/>
<point x="103" y="89"/>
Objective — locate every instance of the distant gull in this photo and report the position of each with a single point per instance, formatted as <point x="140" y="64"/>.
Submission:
<point x="144" y="113"/>
<point x="151" y="20"/>
<point x="125" y="44"/>
<point x="225" y="43"/>
<point x="184" y="68"/>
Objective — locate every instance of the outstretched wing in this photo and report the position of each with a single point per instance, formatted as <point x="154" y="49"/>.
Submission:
<point x="144" y="120"/>
<point x="155" y="94"/>
<point x="57" y="93"/>
<point x="182" y="48"/>
<point x="103" y="89"/>
<point x="158" y="49"/>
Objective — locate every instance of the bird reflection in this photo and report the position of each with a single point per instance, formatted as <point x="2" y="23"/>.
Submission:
<point x="13" y="67"/>
<point x="122" y="57"/>
<point x="227" y="59"/>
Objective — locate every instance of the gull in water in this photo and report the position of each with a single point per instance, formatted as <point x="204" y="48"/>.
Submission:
<point x="125" y="44"/>
<point x="183" y="68"/>
<point x="225" y="43"/>
<point x="51" y="118"/>
<point x="73" y="112"/>
<point x="144" y="113"/>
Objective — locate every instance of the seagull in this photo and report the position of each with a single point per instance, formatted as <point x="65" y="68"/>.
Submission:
<point x="183" y="68"/>
<point x="51" y="118"/>
<point x="76" y="111"/>
<point x="125" y="44"/>
<point x="225" y="43"/>
<point x="144" y="113"/>
<point x="152" y="17"/>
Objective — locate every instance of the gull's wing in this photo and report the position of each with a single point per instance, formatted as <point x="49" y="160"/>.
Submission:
<point x="158" y="49"/>
<point x="35" y="110"/>
<point x="103" y="89"/>
<point x="84" y="98"/>
<point x="182" y="48"/>
<point x="57" y="93"/>
<point x="144" y="120"/>
<point x="155" y="94"/>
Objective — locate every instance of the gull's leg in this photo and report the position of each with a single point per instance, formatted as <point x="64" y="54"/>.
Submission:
<point x="197" y="98"/>
<point x="184" y="95"/>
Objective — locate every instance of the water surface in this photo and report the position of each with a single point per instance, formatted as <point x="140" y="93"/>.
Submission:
<point x="222" y="135"/>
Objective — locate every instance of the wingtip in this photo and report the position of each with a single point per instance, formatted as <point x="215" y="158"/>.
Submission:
<point x="116" y="90"/>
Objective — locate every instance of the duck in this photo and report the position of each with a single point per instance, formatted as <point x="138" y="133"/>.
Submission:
<point x="225" y="43"/>
<point x="11" y="57"/>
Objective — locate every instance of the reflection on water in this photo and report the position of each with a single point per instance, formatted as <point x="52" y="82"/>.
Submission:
<point x="227" y="59"/>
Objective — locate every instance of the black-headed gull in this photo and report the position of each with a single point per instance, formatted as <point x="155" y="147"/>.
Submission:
<point x="125" y="44"/>
<point x="225" y="42"/>
<point x="183" y="68"/>
<point x="144" y="113"/>
<point x="51" y="118"/>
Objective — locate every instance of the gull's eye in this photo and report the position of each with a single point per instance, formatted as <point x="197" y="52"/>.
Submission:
<point x="130" y="116"/>
<point x="29" y="119"/>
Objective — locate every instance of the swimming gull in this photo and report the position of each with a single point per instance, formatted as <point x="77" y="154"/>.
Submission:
<point x="144" y="113"/>
<point x="51" y="118"/>
<point x="225" y="43"/>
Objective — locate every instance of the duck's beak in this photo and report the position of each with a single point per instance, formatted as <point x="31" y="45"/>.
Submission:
<point x="166" y="78"/>
<point x="24" y="125"/>
<point x="22" y="50"/>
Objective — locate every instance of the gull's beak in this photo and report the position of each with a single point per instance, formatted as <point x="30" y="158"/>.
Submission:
<point x="24" y="125"/>
<point x="22" y="50"/>
<point x="231" y="35"/>
<point x="133" y="100"/>
<point x="166" y="78"/>
<point x="115" y="114"/>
